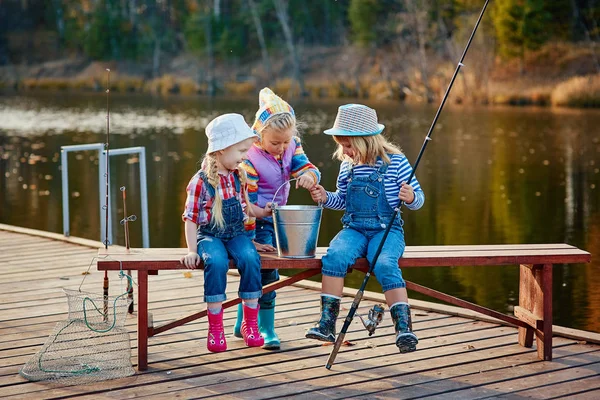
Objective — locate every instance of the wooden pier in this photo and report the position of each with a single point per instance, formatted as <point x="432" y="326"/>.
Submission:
<point x="460" y="355"/>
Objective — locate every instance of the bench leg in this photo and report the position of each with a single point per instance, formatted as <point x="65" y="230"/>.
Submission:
<point x="535" y="298"/>
<point x="142" y="320"/>
<point x="130" y="293"/>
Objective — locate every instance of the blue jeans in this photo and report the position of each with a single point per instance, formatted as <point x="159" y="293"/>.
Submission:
<point x="350" y="244"/>
<point x="215" y="254"/>
<point x="265" y="234"/>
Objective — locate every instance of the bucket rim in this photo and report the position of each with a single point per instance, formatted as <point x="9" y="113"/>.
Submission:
<point x="298" y="207"/>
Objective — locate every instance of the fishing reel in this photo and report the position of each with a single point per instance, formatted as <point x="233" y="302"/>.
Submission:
<point x="374" y="318"/>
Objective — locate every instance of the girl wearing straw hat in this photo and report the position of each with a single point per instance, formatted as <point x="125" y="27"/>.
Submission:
<point x="270" y="165"/>
<point x="371" y="183"/>
<point x="215" y="210"/>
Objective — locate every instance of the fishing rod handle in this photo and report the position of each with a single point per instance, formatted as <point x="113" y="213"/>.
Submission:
<point x="336" y="349"/>
<point x="347" y="321"/>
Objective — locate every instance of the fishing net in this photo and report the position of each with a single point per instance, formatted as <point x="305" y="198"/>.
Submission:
<point x="91" y="345"/>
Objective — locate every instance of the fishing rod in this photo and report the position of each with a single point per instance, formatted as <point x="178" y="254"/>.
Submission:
<point x="107" y="146"/>
<point x="340" y="339"/>
<point x="125" y="222"/>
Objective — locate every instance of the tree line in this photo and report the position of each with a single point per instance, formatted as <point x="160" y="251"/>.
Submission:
<point x="150" y="30"/>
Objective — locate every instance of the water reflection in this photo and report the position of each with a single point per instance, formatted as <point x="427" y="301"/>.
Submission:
<point x="490" y="176"/>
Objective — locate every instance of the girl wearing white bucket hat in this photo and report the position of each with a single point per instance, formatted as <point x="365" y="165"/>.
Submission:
<point x="371" y="183"/>
<point x="215" y="209"/>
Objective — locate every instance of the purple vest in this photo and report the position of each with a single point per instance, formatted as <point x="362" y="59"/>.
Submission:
<point x="271" y="174"/>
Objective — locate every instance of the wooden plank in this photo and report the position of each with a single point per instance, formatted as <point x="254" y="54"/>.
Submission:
<point x="449" y="348"/>
<point x="491" y="379"/>
<point x="168" y="258"/>
<point x="52" y="236"/>
<point x="364" y="366"/>
<point x="193" y="351"/>
<point x="528" y="317"/>
<point x="198" y="370"/>
<point x="509" y="381"/>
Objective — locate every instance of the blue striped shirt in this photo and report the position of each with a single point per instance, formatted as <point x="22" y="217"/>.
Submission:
<point x="398" y="171"/>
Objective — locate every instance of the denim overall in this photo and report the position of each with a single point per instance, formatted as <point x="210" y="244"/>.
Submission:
<point x="367" y="215"/>
<point x="216" y="245"/>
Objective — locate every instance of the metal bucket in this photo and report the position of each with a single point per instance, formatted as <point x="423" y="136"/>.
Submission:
<point x="297" y="230"/>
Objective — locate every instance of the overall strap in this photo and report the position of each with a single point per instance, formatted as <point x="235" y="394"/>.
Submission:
<point x="209" y="187"/>
<point x="238" y="184"/>
<point x="383" y="168"/>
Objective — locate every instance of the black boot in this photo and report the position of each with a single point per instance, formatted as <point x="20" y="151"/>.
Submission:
<point x="324" y="330"/>
<point x="406" y="340"/>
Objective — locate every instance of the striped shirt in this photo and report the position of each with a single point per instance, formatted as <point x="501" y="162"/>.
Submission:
<point x="300" y="165"/>
<point x="398" y="171"/>
<point x="198" y="203"/>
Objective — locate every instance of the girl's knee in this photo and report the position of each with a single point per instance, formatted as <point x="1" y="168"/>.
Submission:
<point x="334" y="269"/>
<point x="389" y="275"/>
<point x="249" y="256"/>
<point x="215" y="261"/>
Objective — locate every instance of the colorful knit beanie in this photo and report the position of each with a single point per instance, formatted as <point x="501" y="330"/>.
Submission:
<point x="269" y="105"/>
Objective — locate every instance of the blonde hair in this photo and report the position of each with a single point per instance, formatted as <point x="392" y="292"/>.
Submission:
<point x="210" y="168"/>
<point x="282" y="122"/>
<point x="366" y="149"/>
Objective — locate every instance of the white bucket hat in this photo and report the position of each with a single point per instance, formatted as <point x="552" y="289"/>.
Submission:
<point x="227" y="130"/>
<point x="355" y="120"/>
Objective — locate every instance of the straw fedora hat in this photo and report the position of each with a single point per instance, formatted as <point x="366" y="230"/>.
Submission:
<point x="355" y="120"/>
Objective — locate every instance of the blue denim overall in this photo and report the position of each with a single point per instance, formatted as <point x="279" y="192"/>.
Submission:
<point x="216" y="245"/>
<point x="367" y="215"/>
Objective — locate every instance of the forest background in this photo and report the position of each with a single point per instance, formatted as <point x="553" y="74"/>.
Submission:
<point x="526" y="52"/>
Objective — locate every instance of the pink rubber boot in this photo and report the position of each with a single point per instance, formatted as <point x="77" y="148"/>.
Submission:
<point x="215" y="342"/>
<point x="249" y="328"/>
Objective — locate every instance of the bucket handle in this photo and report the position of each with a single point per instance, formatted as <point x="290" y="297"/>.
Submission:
<point x="282" y="185"/>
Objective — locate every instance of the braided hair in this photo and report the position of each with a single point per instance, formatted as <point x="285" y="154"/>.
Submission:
<point x="210" y="168"/>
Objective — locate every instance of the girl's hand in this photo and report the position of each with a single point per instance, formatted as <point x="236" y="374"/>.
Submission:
<point x="407" y="193"/>
<point x="191" y="260"/>
<point x="306" y="181"/>
<point x="318" y="194"/>
<point x="263" y="247"/>
<point x="267" y="210"/>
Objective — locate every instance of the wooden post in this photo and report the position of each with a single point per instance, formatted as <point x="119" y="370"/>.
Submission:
<point x="142" y="320"/>
<point x="535" y="308"/>
<point x="130" y="293"/>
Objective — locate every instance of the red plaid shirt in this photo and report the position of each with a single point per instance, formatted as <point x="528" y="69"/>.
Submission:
<point x="198" y="204"/>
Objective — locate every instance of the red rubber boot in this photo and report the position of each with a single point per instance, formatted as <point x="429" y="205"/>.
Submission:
<point x="249" y="329"/>
<point x="215" y="342"/>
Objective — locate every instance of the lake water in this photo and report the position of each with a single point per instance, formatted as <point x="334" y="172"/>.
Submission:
<point x="490" y="176"/>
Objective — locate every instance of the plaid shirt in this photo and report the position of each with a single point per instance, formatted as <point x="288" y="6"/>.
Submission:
<point x="198" y="203"/>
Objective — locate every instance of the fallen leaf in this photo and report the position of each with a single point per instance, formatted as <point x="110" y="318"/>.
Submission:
<point x="187" y="274"/>
<point x="345" y="343"/>
<point x="85" y="273"/>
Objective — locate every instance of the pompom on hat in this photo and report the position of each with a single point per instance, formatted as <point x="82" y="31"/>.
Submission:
<point x="269" y="105"/>
<point x="355" y="120"/>
<point x="227" y="130"/>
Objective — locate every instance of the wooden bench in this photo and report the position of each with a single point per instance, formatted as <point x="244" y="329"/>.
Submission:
<point x="533" y="315"/>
